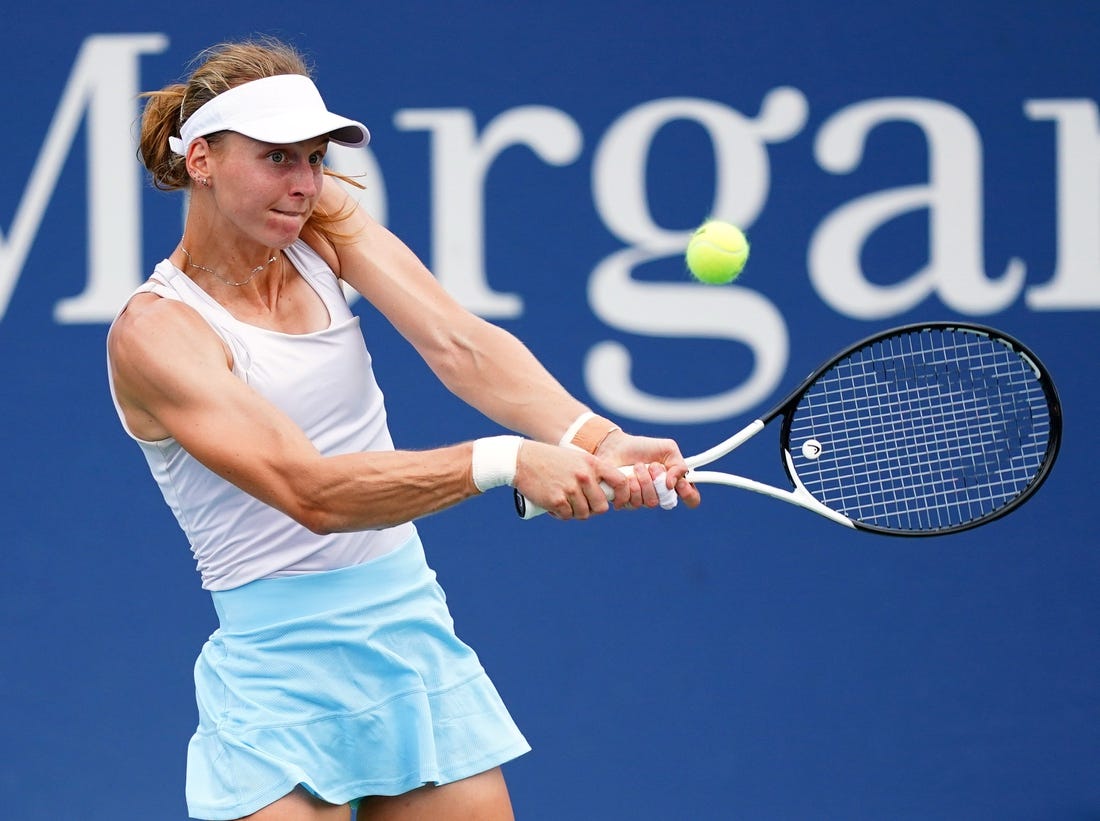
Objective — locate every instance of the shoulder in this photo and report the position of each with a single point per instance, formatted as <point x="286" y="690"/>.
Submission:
<point x="152" y="332"/>
<point x="147" y="316"/>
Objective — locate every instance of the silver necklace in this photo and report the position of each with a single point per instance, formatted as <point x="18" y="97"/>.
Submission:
<point x="251" y="275"/>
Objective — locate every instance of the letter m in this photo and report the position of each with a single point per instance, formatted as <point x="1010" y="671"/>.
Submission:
<point x="103" y="82"/>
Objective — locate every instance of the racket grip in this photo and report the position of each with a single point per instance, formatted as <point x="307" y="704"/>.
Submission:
<point x="668" y="499"/>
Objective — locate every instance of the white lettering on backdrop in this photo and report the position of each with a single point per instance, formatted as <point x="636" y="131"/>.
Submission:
<point x="104" y="83"/>
<point x="953" y="199"/>
<point x="684" y="309"/>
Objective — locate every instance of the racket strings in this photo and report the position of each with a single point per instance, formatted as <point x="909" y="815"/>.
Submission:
<point x="923" y="431"/>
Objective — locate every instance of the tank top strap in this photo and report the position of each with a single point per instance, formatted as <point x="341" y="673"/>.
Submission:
<point x="317" y="272"/>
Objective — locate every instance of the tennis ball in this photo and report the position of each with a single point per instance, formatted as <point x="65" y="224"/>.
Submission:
<point x="717" y="252"/>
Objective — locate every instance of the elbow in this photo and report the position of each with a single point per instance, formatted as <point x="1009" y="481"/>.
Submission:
<point x="319" y="524"/>
<point x="310" y="507"/>
<point x="315" y="520"/>
<point x="325" y="521"/>
<point x="324" y="503"/>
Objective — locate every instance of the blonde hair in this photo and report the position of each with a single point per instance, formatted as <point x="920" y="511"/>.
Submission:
<point x="217" y="69"/>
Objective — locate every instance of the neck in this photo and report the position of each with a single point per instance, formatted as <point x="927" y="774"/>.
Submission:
<point x="233" y="270"/>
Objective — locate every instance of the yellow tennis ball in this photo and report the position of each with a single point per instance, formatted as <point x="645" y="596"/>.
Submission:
<point x="717" y="252"/>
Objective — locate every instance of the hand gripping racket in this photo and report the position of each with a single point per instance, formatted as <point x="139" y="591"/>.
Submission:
<point x="921" y="430"/>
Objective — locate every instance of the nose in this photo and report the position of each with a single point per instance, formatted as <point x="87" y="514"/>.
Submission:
<point x="305" y="181"/>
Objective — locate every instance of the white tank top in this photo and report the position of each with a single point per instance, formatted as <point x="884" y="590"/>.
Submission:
<point x="321" y="380"/>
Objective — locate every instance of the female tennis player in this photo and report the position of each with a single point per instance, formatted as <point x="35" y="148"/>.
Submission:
<point x="335" y="679"/>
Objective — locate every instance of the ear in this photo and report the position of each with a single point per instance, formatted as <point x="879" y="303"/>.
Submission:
<point x="198" y="159"/>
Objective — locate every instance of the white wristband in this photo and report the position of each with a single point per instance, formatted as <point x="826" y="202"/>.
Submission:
<point x="494" y="461"/>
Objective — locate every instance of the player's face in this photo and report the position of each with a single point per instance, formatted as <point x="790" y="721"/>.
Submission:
<point x="267" y="191"/>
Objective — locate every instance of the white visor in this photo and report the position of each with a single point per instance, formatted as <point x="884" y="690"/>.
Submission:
<point x="286" y="108"/>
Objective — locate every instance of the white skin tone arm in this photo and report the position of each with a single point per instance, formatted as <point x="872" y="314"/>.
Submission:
<point x="172" y="372"/>
<point x="482" y="364"/>
<point x="172" y="375"/>
<point x="173" y="378"/>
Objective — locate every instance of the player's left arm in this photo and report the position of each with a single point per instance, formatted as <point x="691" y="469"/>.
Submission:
<point x="481" y="363"/>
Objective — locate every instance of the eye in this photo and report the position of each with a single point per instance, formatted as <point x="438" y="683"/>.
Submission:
<point x="277" y="157"/>
<point x="317" y="157"/>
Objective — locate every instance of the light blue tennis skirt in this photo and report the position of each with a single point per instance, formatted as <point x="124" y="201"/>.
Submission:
<point x="350" y="682"/>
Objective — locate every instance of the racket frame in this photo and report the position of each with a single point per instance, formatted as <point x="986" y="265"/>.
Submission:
<point x="802" y="497"/>
<point x="799" y="495"/>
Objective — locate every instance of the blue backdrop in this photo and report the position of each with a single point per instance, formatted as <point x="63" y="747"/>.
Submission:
<point x="891" y="162"/>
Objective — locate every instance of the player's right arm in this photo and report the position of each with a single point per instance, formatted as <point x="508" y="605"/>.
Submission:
<point x="173" y="378"/>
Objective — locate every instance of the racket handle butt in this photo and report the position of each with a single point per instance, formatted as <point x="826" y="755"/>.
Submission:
<point x="525" y="509"/>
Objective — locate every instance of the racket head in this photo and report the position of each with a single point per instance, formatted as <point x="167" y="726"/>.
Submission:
<point x="924" y="429"/>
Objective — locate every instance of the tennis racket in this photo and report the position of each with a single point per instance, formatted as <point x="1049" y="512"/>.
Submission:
<point x="921" y="430"/>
